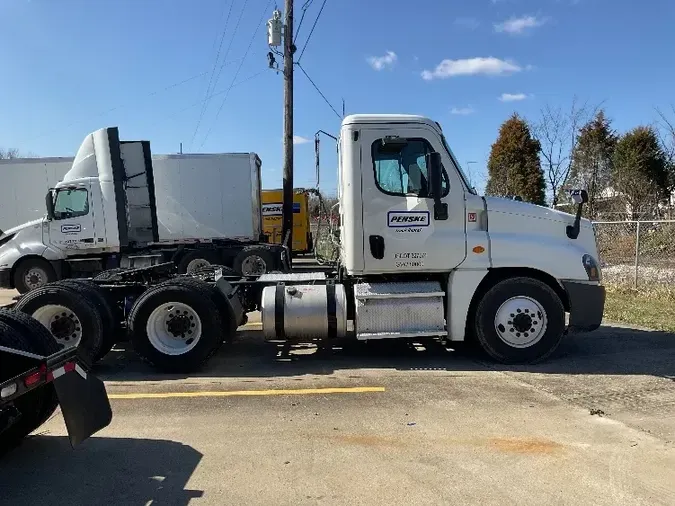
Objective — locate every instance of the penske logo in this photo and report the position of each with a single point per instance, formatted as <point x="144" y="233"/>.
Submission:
<point x="277" y="209"/>
<point x="401" y="219"/>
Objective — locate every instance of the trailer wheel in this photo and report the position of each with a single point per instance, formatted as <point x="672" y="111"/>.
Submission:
<point x="176" y="326"/>
<point x="520" y="320"/>
<point x="253" y="261"/>
<point x="38" y="405"/>
<point x="73" y="320"/>
<point x="195" y="260"/>
<point x="33" y="273"/>
<point x="106" y="308"/>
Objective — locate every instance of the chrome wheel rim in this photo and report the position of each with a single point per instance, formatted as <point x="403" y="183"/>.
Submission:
<point x="521" y="322"/>
<point x="62" y="323"/>
<point x="174" y="328"/>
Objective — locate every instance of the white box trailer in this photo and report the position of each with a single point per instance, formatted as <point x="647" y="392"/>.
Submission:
<point x="208" y="196"/>
<point x="120" y="207"/>
<point x="23" y="184"/>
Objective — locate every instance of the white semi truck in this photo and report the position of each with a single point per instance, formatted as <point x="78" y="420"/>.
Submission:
<point x="422" y="256"/>
<point x="120" y="207"/>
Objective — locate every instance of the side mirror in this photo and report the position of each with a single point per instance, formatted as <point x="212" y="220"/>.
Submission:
<point x="579" y="196"/>
<point x="49" y="203"/>
<point x="435" y="174"/>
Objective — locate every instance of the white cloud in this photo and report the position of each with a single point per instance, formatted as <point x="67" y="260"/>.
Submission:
<point x="471" y="66"/>
<point x="383" y="62"/>
<point x="462" y="111"/>
<point x="512" y="97"/>
<point x="519" y="25"/>
<point x="467" y="22"/>
<point x="298" y="139"/>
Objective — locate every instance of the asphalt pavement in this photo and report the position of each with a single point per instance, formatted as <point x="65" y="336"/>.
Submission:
<point x="379" y="423"/>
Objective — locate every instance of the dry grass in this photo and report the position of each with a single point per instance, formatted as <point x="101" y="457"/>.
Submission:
<point x="652" y="307"/>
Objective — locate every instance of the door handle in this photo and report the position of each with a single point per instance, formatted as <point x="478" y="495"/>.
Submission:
<point x="376" y="246"/>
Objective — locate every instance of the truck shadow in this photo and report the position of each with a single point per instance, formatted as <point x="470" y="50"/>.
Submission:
<point x="45" y="469"/>
<point x="607" y="351"/>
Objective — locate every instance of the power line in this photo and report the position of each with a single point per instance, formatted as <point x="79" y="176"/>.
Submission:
<point x="227" y="93"/>
<point x="305" y="6"/>
<point x="121" y="106"/>
<point x="215" y="83"/>
<point x="317" y="89"/>
<point x="216" y="94"/>
<point x="213" y="71"/>
<point x="312" y="30"/>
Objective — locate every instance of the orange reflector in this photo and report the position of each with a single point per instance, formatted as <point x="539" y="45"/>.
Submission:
<point x="31" y="379"/>
<point x="478" y="249"/>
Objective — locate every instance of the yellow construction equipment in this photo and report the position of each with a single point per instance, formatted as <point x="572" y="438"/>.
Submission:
<point x="272" y="204"/>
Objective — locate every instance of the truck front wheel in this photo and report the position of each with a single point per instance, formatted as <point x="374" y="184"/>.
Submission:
<point x="520" y="320"/>
<point x="33" y="273"/>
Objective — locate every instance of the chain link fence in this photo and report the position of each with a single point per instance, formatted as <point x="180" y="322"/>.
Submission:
<point x="637" y="253"/>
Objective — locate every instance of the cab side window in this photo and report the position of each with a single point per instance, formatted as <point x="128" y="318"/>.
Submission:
<point x="401" y="169"/>
<point x="71" y="204"/>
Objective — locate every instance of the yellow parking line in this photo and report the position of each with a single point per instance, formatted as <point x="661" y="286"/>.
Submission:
<point x="250" y="393"/>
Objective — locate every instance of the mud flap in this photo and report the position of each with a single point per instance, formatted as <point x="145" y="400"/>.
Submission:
<point x="84" y="404"/>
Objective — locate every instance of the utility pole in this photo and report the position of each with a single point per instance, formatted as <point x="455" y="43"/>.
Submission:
<point x="289" y="49"/>
<point x="274" y="34"/>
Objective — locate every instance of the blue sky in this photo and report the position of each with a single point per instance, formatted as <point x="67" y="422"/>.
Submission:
<point x="72" y="66"/>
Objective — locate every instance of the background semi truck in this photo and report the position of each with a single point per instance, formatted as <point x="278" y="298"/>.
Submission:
<point x="141" y="210"/>
<point x="423" y="256"/>
<point x="272" y="205"/>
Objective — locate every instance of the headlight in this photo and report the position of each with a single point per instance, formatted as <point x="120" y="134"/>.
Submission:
<point x="6" y="239"/>
<point x="592" y="268"/>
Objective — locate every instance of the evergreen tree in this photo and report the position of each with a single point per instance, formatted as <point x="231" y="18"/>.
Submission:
<point x="514" y="167"/>
<point x="640" y="172"/>
<point x="592" y="160"/>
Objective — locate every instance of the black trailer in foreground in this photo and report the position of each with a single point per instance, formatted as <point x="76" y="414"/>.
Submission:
<point x="36" y="376"/>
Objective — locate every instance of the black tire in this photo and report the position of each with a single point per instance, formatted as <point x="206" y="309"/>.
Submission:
<point x="486" y="313"/>
<point x="204" y="255"/>
<point x="106" y="308"/>
<point x="42" y="269"/>
<point x="263" y="257"/>
<point x="40" y="339"/>
<point x="38" y="405"/>
<point x="83" y="309"/>
<point x="199" y="300"/>
<point x="226" y="311"/>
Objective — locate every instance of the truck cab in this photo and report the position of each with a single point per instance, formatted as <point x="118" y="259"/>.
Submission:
<point x="423" y="255"/>
<point x="104" y="205"/>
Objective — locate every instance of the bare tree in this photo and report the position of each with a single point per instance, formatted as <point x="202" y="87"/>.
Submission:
<point x="557" y="131"/>
<point x="666" y="131"/>
<point x="9" y="153"/>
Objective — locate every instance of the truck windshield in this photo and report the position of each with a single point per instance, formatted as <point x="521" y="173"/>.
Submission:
<point x="459" y="168"/>
<point x="71" y="203"/>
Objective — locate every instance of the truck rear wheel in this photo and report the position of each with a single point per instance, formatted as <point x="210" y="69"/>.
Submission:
<point x="520" y="320"/>
<point x="106" y="308"/>
<point x="253" y="261"/>
<point x="71" y="319"/>
<point x="33" y="273"/>
<point x="38" y="405"/>
<point x="176" y="326"/>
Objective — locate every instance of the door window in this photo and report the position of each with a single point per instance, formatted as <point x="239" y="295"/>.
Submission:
<point x="71" y="204"/>
<point x="401" y="169"/>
